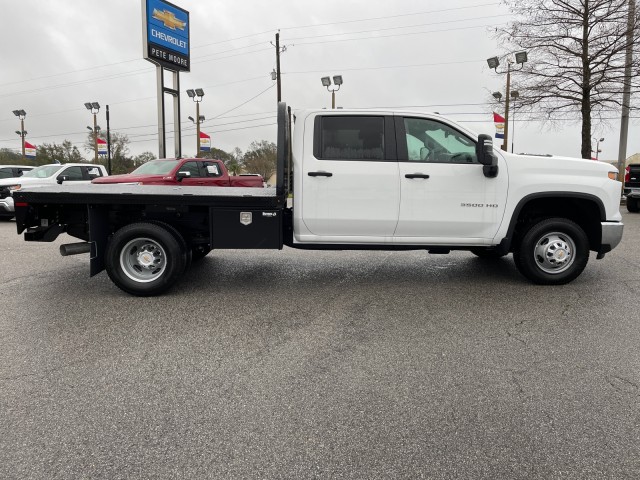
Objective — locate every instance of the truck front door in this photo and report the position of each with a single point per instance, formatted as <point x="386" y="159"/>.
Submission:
<point x="350" y="176"/>
<point x="445" y="198"/>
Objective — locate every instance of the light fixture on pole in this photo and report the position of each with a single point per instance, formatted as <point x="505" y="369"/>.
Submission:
<point x="494" y="62"/>
<point x="196" y="95"/>
<point x="23" y="133"/>
<point x="598" y="140"/>
<point x="94" y="108"/>
<point x="326" y="82"/>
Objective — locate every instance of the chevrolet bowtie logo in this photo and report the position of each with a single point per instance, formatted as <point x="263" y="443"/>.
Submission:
<point x="169" y="19"/>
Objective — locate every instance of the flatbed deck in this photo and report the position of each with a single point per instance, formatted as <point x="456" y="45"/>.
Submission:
<point x="119" y="194"/>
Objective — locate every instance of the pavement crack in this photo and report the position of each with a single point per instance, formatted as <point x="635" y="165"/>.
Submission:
<point x="623" y="385"/>
<point x="515" y="337"/>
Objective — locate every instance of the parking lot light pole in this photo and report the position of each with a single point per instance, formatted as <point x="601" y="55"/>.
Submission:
<point x="494" y="62"/>
<point x="94" y="108"/>
<point x="196" y="95"/>
<point x="515" y="95"/>
<point x="326" y="82"/>
<point x="598" y="140"/>
<point x="22" y="132"/>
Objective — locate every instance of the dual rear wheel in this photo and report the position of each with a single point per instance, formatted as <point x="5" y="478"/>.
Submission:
<point x="147" y="258"/>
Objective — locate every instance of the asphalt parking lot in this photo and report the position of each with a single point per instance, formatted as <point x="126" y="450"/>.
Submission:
<point x="299" y="364"/>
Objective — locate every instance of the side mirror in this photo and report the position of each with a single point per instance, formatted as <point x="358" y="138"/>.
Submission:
<point x="62" y="178"/>
<point x="484" y="152"/>
<point x="182" y="175"/>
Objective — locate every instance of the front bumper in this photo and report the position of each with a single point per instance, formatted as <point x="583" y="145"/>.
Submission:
<point x="611" y="236"/>
<point x="6" y="206"/>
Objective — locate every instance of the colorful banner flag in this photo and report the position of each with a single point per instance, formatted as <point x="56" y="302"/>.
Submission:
<point x="102" y="147"/>
<point x="499" y="121"/>
<point x="29" y="150"/>
<point x="205" y="142"/>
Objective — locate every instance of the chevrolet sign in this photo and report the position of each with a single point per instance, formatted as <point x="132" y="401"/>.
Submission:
<point x="166" y="35"/>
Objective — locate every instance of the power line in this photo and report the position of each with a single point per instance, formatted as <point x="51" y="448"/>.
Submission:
<point x="398" y="28"/>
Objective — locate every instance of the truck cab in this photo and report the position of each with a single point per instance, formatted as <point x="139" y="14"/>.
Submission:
<point x="409" y="179"/>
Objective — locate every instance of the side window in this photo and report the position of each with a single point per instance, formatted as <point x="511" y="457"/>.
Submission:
<point x="73" y="173"/>
<point x="6" y="173"/>
<point x="212" y="169"/>
<point x="432" y="141"/>
<point x="93" y="172"/>
<point x="352" y="138"/>
<point x="21" y="171"/>
<point x="192" y="168"/>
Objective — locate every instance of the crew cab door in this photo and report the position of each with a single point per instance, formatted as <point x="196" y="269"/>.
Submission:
<point x="445" y="197"/>
<point x="350" y="176"/>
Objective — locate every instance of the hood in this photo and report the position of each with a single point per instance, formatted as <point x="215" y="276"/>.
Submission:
<point x="24" y="181"/>
<point x="558" y="162"/>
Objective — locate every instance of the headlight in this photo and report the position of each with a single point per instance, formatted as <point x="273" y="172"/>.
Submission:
<point x="13" y="188"/>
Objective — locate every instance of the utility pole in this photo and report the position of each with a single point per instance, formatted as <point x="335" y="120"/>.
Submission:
<point x="276" y="75"/>
<point x="108" y="144"/>
<point x="278" y="66"/>
<point x="626" y="94"/>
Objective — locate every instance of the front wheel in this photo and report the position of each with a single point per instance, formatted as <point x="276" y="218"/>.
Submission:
<point x="144" y="259"/>
<point x="633" y="204"/>
<point x="554" y="251"/>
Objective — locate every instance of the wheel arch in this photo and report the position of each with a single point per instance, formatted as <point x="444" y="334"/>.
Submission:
<point x="585" y="209"/>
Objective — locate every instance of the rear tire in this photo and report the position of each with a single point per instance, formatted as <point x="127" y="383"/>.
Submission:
<point x="144" y="259"/>
<point x="633" y="204"/>
<point x="183" y="244"/>
<point x="554" y="251"/>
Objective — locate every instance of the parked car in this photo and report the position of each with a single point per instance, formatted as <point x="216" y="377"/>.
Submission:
<point x="632" y="187"/>
<point x="53" y="174"/>
<point x="11" y="171"/>
<point x="185" y="171"/>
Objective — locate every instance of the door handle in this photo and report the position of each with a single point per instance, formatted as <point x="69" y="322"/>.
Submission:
<point x="416" y="175"/>
<point x="320" y="174"/>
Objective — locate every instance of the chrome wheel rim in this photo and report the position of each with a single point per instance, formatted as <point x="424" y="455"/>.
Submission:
<point x="554" y="252"/>
<point x="143" y="260"/>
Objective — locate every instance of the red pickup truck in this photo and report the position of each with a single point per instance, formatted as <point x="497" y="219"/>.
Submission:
<point x="184" y="171"/>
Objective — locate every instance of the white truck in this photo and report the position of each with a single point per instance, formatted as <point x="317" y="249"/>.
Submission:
<point x="359" y="179"/>
<point x="52" y="174"/>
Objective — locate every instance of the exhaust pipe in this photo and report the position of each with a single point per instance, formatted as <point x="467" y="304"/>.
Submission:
<point x="74" y="248"/>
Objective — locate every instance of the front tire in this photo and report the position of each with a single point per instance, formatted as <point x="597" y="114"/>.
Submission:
<point x="633" y="204"/>
<point x="144" y="259"/>
<point x="554" y="251"/>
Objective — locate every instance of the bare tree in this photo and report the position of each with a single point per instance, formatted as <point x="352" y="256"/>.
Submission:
<point x="261" y="158"/>
<point x="576" y="49"/>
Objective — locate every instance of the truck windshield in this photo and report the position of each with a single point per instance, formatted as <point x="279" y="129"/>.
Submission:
<point x="43" y="171"/>
<point x="156" y="167"/>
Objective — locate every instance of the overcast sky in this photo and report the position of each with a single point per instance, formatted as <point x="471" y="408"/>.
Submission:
<point x="425" y="54"/>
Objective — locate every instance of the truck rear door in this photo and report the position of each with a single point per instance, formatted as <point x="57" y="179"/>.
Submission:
<point x="350" y="176"/>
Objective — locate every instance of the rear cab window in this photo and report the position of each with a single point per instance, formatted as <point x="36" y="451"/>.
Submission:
<point x="353" y="138"/>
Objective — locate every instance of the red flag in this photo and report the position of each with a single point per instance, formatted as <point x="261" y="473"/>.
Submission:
<point x="497" y="118"/>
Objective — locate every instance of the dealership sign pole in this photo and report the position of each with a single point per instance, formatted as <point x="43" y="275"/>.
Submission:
<point x="166" y="44"/>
